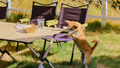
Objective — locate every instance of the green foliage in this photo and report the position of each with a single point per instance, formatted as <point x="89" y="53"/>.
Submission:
<point x="57" y="17"/>
<point x="15" y="17"/>
<point x="96" y="26"/>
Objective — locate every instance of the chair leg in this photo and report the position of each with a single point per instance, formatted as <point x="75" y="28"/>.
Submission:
<point x="17" y="47"/>
<point x="60" y="44"/>
<point x="44" y="47"/>
<point x="72" y="54"/>
<point x="57" y="43"/>
<point x="1" y="51"/>
<point x="82" y="56"/>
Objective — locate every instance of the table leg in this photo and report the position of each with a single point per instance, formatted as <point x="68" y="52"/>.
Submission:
<point x="32" y="50"/>
<point x="37" y="54"/>
<point x="5" y="51"/>
<point x="17" y="47"/>
<point x="44" y="57"/>
<point x="1" y="51"/>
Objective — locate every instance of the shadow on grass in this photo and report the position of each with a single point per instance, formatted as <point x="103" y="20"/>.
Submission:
<point x="12" y="46"/>
<point x="14" y="64"/>
<point x="40" y="52"/>
<point x="112" y="62"/>
<point x="1" y="41"/>
<point x="105" y="61"/>
<point x="96" y="62"/>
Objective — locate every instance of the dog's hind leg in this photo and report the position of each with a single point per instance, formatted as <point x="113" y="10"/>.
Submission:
<point x="87" y="59"/>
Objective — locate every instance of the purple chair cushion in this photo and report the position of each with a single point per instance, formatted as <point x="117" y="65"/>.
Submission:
<point x="60" y="37"/>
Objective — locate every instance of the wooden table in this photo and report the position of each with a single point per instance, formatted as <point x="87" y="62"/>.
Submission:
<point x="9" y="33"/>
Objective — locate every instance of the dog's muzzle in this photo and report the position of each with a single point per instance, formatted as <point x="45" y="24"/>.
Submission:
<point x="72" y="31"/>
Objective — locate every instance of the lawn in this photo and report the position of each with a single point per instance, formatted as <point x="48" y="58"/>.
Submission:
<point x="106" y="55"/>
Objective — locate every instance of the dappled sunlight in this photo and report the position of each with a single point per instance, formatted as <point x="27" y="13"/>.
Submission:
<point x="107" y="51"/>
<point x="106" y="54"/>
<point x="109" y="61"/>
<point x="102" y="66"/>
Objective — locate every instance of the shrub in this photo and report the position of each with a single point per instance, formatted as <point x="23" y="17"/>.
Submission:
<point x="57" y="17"/>
<point x="14" y="17"/>
<point x="96" y="26"/>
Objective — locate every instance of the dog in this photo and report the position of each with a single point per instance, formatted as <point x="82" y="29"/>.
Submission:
<point x="77" y="31"/>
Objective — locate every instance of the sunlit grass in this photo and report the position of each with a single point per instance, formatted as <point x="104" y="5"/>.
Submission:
<point x="107" y="51"/>
<point x="106" y="55"/>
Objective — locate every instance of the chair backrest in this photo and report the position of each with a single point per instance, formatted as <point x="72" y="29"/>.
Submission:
<point x="73" y="14"/>
<point x="43" y="11"/>
<point x="3" y="10"/>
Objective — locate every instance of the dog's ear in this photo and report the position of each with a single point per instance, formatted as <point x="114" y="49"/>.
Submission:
<point x="67" y="21"/>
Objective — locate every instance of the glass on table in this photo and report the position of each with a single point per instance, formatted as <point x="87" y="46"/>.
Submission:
<point x="41" y="23"/>
<point x="18" y="25"/>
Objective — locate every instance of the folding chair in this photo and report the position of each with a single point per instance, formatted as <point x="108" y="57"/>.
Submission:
<point x="3" y="10"/>
<point x="73" y="14"/>
<point x="47" y="11"/>
<point x="39" y="10"/>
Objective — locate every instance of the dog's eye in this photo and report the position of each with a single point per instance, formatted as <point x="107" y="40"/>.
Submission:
<point x="71" y="28"/>
<point x="75" y="27"/>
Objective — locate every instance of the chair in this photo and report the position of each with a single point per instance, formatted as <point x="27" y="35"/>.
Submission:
<point x="47" y="11"/>
<point x="44" y="11"/>
<point x="73" y="14"/>
<point x="41" y="11"/>
<point x="3" y="10"/>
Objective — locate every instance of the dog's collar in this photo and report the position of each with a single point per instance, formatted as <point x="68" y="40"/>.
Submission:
<point x="73" y="32"/>
<point x="76" y="33"/>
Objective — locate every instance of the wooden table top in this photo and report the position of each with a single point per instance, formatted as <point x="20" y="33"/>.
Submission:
<point x="9" y="32"/>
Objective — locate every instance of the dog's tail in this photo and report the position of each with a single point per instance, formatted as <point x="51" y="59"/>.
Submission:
<point x="96" y="43"/>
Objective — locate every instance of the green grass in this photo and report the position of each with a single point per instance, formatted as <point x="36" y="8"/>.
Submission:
<point x="106" y="55"/>
<point x="95" y="26"/>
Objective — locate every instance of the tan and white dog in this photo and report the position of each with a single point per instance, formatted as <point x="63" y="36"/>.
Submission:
<point x="77" y="31"/>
